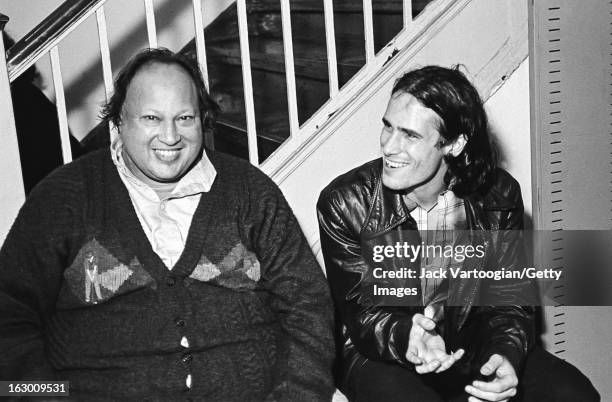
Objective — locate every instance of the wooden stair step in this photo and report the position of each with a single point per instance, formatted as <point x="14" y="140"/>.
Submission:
<point x="340" y="6"/>
<point x="309" y="61"/>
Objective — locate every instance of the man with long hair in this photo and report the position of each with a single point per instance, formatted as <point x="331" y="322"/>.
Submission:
<point x="448" y="340"/>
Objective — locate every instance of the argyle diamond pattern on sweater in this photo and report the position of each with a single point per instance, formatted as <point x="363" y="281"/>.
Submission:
<point x="239" y="269"/>
<point x="96" y="276"/>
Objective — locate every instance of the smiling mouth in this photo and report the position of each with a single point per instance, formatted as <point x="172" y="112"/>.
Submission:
<point x="167" y="154"/>
<point x="394" y="165"/>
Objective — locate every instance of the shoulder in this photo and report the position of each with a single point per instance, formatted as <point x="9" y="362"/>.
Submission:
<point x="348" y="198"/>
<point x="504" y="193"/>
<point x="70" y="185"/>
<point x="239" y="175"/>
<point x="71" y="176"/>
<point x="355" y="184"/>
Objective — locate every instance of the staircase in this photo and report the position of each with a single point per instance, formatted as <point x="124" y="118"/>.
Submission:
<point x="268" y="71"/>
<point x="268" y="63"/>
<point x="311" y="66"/>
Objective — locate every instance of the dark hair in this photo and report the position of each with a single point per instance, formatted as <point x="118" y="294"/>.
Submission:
<point x="111" y="111"/>
<point x="450" y="94"/>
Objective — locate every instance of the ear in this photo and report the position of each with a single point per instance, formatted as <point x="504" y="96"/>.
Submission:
<point x="456" y="147"/>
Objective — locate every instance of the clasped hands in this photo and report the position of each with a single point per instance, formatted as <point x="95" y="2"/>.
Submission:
<point x="427" y="351"/>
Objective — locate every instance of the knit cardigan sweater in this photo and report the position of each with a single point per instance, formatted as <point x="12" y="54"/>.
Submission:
<point x="245" y="312"/>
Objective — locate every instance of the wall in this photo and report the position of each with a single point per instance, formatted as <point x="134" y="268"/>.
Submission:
<point x="79" y="52"/>
<point x="508" y="111"/>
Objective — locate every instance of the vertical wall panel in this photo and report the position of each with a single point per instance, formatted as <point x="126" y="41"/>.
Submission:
<point x="571" y="85"/>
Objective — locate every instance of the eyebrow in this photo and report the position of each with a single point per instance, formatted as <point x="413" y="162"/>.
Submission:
<point x="402" y="129"/>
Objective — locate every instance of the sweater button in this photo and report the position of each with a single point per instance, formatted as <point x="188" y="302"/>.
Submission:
<point x="187" y="358"/>
<point x="170" y="281"/>
<point x="179" y="322"/>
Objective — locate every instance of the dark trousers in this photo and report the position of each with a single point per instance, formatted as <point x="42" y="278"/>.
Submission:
<point x="545" y="378"/>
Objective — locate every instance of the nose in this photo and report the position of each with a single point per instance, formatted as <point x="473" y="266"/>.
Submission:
<point x="169" y="134"/>
<point x="390" y="142"/>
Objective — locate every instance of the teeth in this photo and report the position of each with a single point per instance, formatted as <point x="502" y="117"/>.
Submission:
<point x="166" y="152"/>
<point x="167" y="155"/>
<point x="394" y="164"/>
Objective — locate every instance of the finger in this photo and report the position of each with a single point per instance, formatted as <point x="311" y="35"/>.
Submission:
<point x="412" y="355"/>
<point x="428" y="367"/>
<point x="497" y="385"/>
<point x="474" y="399"/>
<point x="458" y="354"/>
<point x="424" y="322"/>
<point x="491" y="365"/>
<point x="448" y="363"/>
<point x="490" y="396"/>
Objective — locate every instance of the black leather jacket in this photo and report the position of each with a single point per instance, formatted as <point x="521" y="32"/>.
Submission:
<point x="356" y="207"/>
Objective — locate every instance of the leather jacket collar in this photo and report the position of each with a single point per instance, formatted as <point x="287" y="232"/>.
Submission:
<point x="387" y="209"/>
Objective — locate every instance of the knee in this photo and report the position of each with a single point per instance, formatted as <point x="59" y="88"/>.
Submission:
<point x="550" y="378"/>
<point x="575" y="386"/>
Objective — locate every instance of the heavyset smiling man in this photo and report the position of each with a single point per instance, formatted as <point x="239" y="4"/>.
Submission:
<point x="158" y="270"/>
<point x="437" y="174"/>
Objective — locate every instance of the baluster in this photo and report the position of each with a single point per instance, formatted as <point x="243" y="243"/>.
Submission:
<point x="60" y="104"/>
<point x="407" y="13"/>
<point x="198" y="23"/>
<point x="107" y="72"/>
<point x="294" y="124"/>
<point x="150" y="16"/>
<point x="199" y="37"/>
<point x="368" y="29"/>
<point x="245" y="56"/>
<point x="330" y="37"/>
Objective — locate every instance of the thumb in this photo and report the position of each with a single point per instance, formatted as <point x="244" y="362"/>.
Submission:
<point x="429" y="312"/>
<point x="491" y="365"/>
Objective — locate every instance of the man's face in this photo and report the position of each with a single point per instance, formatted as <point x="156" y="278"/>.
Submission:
<point x="160" y="124"/>
<point x="413" y="160"/>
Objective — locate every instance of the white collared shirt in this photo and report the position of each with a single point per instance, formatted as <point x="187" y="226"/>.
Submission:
<point x="166" y="221"/>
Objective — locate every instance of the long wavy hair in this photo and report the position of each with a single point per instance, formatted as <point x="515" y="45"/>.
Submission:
<point x="111" y="111"/>
<point x="450" y="94"/>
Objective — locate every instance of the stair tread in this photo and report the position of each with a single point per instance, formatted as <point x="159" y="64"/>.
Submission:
<point x="271" y="127"/>
<point x="343" y="6"/>
<point x="268" y="54"/>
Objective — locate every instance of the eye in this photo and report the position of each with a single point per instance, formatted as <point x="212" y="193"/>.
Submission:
<point x="386" y="125"/>
<point x="150" y="117"/>
<point x="411" y="135"/>
<point x="186" y="117"/>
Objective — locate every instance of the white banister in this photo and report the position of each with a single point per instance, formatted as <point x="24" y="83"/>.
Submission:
<point x="150" y="17"/>
<point x="368" y="29"/>
<point x="247" y="81"/>
<point x="407" y="13"/>
<point x="330" y="38"/>
<point x="60" y="104"/>
<point x="198" y="25"/>
<point x="294" y="124"/>
<point x="107" y="72"/>
<point x="10" y="164"/>
<point x="49" y="33"/>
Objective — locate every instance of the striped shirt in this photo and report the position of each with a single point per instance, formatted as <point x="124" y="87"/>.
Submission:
<point x="436" y="226"/>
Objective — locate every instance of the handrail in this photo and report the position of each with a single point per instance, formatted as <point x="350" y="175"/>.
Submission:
<point x="48" y="34"/>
